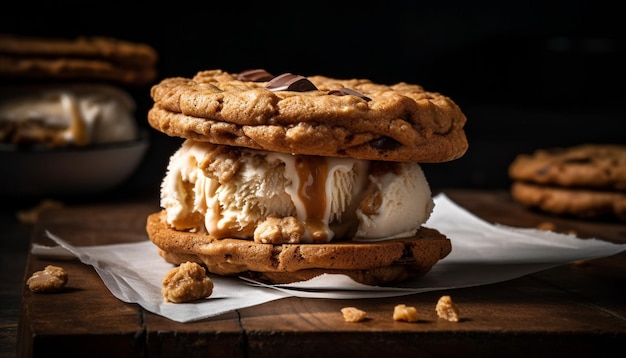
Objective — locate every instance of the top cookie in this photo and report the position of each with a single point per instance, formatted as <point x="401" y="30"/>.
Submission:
<point x="83" y="58"/>
<point x="601" y="166"/>
<point x="316" y="115"/>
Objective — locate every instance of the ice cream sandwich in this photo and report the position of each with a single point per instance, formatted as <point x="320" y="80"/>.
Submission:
<point x="283" y="178"/>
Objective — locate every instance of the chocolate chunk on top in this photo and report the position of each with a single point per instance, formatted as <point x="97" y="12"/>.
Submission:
<point x="255" y="75"/>
<point x="385" y="143"/>
<point x="290" y="82"/>
<point x="349" y="91"/>
<point x="215" y="106"/>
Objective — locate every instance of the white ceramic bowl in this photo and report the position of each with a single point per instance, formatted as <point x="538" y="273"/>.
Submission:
<point x="69" y="171"/>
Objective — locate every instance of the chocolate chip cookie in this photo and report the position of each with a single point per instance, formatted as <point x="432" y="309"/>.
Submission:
<point x="586" y="181"/>
<point x="601" y="166"/>
<point x="82" y="58"/>
<point x="313" y="115"/>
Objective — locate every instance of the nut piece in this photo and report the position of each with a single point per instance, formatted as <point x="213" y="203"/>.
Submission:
<point x="353" y="314"/>
<point x="51" y="279"/>
<point x="446" y="309"/>
<point x="546" y="226"/>
<point x="404" y="313"/>
<point x="274" y="230"/>
<point x="185" y="283"/>
<point x="550" y="226"/>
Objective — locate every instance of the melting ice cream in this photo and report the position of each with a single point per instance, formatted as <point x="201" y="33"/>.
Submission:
<point x="64" y="115"/>
<point x="281" y="198"/>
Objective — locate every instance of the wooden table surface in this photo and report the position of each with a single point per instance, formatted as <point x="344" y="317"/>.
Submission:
<point x="572" y="310"/>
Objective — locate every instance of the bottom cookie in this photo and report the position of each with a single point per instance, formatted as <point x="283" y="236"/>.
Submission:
<point x="373" y="277"/>
<point x="372" y="263"/>
<point x="581" y="203"/>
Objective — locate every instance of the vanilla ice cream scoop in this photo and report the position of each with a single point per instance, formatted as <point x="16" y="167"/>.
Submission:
<point x="61" y="115"/>
<point x="276" y="197"/>
<point x="403" y="199"/>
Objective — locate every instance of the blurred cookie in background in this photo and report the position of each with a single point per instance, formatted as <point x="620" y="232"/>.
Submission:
<point x="586" y="181"/>
<point x="81" y="59"/>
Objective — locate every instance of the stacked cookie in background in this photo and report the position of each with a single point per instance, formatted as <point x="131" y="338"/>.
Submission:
<point x="83" y="59"/>
<point x="59" y="92"/>
<point x="586" y="181"/>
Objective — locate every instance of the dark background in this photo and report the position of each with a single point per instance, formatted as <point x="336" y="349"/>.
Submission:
<point x="527" y="74"/>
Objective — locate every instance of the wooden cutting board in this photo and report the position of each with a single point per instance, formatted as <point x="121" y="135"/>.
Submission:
<point x="573" y="310"/>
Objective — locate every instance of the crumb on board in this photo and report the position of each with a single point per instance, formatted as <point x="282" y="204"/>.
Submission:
<point x="31" y="215"/>
<point x="353" y="314"/>
<point x="404" y="313"/>
<point x="446" y="309"/>
<point x="550" y="226"/>
<point x="50" y="279"/>
<point x="546" y="226"/>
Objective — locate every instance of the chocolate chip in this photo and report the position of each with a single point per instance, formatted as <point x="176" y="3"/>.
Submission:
<point x="349" y="91"/>
<point x="385" y="143"/>
<point x="577" y="160"/>
<point x="543" y="170"/>
<point x="256" y="75"/>
<point x="290" y="82"/>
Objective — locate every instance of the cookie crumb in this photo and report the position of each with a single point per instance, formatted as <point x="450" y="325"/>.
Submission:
<point x="30" y="216"/>
<point x="446" y="309"/>
<point x="353" y="314"/>
<point x="185" y="283"/>
<point x="50" y="279"/>
<point x="546" y="226"/>
<point x="550" y="226"/>
<point x="404" y="313"/>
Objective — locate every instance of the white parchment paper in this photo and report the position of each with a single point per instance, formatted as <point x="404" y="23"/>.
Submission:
<point x="482" y="253"/>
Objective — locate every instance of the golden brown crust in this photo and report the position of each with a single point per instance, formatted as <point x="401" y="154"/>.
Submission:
<point x="401" y="122"/>
<point x="83" y="58"/>
<point x="368" y="262"/>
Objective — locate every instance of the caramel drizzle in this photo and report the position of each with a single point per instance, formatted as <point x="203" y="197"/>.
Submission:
<point x="77" y="130"/>
<point x="313" y="173"/>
